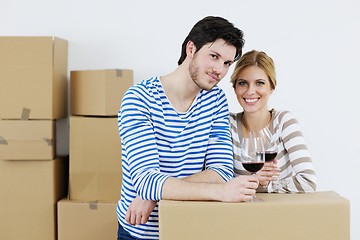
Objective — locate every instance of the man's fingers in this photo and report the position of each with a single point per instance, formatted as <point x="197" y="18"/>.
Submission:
<point x="127" y="217"/>
<point x="138" y="219"/>
<point x="144" y="219"/>
<point x="133" y="219"/>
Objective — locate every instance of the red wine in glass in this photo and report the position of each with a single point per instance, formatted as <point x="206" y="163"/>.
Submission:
<point x="270" y="156"/>
<point x="252" y="154"/>
<point x="253" y="167"/>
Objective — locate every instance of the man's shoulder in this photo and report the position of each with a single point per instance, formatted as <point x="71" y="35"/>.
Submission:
<point x="144" y="85"/>
<point x="214" y="91"/>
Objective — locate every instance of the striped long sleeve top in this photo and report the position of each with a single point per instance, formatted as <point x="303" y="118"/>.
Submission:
<point x="158" y="142"/>
<point x="297" y="172"/>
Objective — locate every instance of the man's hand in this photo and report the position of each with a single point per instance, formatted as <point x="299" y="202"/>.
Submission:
<point x="139" y="211"/>
<point x="240" y="189"/>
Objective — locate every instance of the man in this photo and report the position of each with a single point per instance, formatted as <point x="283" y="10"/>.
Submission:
<point x="175" y="134"/>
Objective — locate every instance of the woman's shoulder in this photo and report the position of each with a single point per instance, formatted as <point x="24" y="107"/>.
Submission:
<point x="281" y="113"/>
<point x="235" y="116"/>
<point x="284" y="116"/>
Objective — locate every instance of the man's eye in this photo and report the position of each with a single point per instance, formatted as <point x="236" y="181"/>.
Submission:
<point x="214" y="56"/>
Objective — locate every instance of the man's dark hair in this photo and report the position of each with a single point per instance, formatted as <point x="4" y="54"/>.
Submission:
<point x="211" y="28"/>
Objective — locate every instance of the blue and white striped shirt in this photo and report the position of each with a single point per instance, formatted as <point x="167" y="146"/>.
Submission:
<point x="158" y="142"/>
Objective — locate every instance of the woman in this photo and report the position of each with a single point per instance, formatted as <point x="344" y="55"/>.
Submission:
<point x="254" y="81"/>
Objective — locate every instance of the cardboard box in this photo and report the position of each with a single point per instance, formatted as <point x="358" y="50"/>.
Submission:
<point x="86" y="220"/>
<point x="29" y="192"/>
<point x="27" y="139"/>
<point x="33" y="78"/>
<point x="95" y="159"/>
<point x="98" y="92"/>
<point x="310" y="216"/>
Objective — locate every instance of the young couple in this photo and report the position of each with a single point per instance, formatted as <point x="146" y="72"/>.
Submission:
<point x="176" y="131"/>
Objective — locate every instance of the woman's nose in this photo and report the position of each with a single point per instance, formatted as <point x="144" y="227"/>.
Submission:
<point x="251" y="90"/>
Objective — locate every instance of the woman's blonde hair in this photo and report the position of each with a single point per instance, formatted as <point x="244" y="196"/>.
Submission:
<point x="255" y="58"/>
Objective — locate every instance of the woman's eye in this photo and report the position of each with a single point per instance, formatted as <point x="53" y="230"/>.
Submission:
<point x="214" y="56"/>
<point x="241" y="83"/>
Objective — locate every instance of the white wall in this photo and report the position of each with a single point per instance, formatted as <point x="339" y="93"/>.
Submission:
<point x="315" y="45"/>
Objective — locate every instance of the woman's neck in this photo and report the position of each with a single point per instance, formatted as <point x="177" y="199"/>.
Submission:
<point x="256" y="121"/>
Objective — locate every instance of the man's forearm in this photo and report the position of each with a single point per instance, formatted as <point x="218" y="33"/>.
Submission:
<point x="181" y="189"/>
<point x="238" y="189"/>
<point x="207" y="176"/>
<point x="204" y="185"/>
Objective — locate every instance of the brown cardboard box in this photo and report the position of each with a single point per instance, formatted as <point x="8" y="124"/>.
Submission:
<point x="98" y="92"/>
<point x="86" y="220"/>
<point x="29" y="191"/>
<point x="27" y="139"/>
<point x="33" y="78"/>
<point x="95" y="159"/>
<point x="310" y="216"/>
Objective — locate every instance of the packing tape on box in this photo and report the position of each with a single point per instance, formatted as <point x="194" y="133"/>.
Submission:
<point x="93" y="205"/>
<point x="118" y="73"/>
<point x="48" y="141"/>
<point x="25" y="115"/>
<point x="3" y="141"/>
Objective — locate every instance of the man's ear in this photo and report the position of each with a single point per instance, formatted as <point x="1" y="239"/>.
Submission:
<point x="190" y="49"/>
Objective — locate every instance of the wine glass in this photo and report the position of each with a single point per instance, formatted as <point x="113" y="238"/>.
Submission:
<point x="270" y="145"/>
<point x="271" y="150"/>
<point x="252" y="154"/>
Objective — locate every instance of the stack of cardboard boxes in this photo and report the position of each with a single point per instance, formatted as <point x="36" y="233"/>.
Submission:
<point x="34" y="201"/>
<point x="33" y="90"/>
<point x="89" y="212"/>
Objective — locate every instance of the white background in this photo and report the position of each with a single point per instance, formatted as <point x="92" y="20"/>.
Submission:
<point x="315" y="46"/>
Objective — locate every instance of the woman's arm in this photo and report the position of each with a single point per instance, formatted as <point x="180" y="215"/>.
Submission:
<point x="294" y="157"/>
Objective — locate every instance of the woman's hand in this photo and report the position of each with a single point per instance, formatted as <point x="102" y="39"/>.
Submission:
<point x="268" y="173"/>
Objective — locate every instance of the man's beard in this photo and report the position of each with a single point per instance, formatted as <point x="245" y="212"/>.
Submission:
<point x="195" y="76"/>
